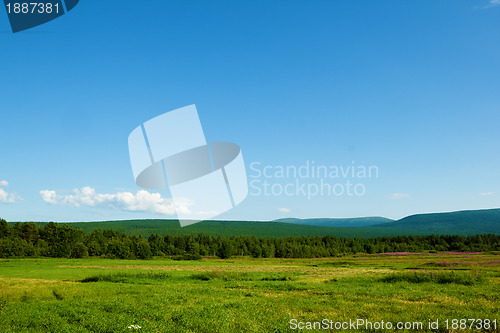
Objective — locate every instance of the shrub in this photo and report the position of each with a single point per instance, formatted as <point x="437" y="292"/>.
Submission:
<point x="79" y="250"/>
<point x="225" y="250"/>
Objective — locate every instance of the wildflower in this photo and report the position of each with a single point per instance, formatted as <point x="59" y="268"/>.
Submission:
<point x="135" y="327"/>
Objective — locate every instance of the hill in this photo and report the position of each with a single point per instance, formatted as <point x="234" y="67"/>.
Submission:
<point x="338" y="222"/>
<point x="467" y="222"/>
<point x="233" y="228"/>
<point x="454" y="223"/>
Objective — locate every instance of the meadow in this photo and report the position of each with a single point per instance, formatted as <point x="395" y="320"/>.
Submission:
<point x="243" y="294"/>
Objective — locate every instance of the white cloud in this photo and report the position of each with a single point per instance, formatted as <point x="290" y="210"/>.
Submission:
<point x="49" y="196"/>
<point x="142" y="201"/>
<point x="491" y="3"/>
<point x="6" y="197"/>
<point x="399" y="195"/>
<point x="284" y="210"/>
<point x="487" y="193"/>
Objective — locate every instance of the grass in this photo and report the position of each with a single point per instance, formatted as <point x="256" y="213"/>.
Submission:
<point x="125" y="277"/>
<point x="466" y="279"/>
<point x="243" y="294"/>
<point x="225" y="276"/>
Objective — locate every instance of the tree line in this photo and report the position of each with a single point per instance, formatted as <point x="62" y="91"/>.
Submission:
<point x="29" y="239"/>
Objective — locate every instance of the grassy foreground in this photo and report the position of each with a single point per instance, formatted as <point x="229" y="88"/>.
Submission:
<point x="247" y="295"/>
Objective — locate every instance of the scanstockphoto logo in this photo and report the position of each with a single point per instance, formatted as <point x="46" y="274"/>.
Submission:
<point x="311" y="180"/>
<point x="25" y="15"/>
<point x="204" y="179"/>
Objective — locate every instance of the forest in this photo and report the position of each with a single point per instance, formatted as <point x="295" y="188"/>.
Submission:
<point x="57" y="240"/>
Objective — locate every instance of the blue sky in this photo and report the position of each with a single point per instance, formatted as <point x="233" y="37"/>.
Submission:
<point x="411" y="87"/>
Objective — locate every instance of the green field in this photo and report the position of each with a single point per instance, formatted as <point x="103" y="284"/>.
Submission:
<point x="246" y="295"/>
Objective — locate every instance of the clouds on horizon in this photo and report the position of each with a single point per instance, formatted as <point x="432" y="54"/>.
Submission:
<point x="6" y="197"/>
<point x="142" y="201"/>
<point x="284" y="210"/>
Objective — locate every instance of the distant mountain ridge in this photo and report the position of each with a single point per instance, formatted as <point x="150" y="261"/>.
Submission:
<point x="482" y="221"/>
<point x="338" y="222"/>
<point x="466" y="222"/>
<point x="471" y="222"/>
